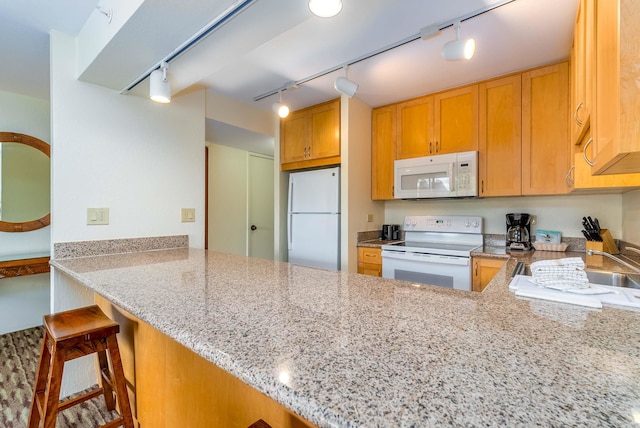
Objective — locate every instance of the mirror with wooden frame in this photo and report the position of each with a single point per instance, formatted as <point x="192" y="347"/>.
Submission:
<point x="25" y="166"/>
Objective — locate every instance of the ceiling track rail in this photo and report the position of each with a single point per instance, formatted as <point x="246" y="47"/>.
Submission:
<point x="436" y="27"/>
<point x="226" y="16"/>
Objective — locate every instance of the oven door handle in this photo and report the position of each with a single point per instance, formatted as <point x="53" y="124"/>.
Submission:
<point x="425" y="258"/>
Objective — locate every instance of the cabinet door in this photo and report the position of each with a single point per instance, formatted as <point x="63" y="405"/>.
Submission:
<point x="500" y="140"/>
<point x="484" y="269"/>
<point x="415" y="128"/>
<point x="545" y="133"/>
<point x="582" y="179"/>
<point x="383" y="139"/>
<point x="370" y="261"/>
<point x="582" y="57"/>
<point x="294" y="137"/>
<point x="616" y="145"/>
<point x="324" y="123"/>
<point x="456" y="120"/>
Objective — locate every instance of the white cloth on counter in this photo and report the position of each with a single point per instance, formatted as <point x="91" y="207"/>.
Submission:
<point x="560" y="274"/>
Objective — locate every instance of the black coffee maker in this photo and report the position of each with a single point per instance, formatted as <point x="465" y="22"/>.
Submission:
<point x="390" y="232"/>
<point x="518" y="231"/>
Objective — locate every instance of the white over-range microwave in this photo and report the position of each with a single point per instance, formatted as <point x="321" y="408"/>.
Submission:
<point x="453" y="175"/>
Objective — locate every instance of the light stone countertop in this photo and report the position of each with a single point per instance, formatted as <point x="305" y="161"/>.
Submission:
<point x="362" y="351"/>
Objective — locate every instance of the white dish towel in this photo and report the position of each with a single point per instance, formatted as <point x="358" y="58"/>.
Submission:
<point x="560" y="274"/>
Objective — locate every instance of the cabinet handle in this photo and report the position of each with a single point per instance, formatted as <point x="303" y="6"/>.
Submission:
<point x="575" y="115"/>
<point x="430" y="147"/>
<point x="584" y="153"/>
<point x="476" y="267"/>
<point x="481" y="187"/>
<point x="437" y="147"/>
<point x="570" y="181"/>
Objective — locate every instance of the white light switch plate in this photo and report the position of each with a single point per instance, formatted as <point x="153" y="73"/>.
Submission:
<point x="188" y="215"/>
<point x="97" y="216"/>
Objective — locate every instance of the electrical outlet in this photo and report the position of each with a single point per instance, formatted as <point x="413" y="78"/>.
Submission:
<point x="533" y="220"/>
<point x="188" y="215"/>
<point x="97" y="216"/>
<point x="370" y="218"/>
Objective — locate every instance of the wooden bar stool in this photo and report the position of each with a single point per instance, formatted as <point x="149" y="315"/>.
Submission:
<point x="69" y="335"/>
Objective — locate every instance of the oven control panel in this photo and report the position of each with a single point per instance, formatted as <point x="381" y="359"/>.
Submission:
<point x="455" y="224"/>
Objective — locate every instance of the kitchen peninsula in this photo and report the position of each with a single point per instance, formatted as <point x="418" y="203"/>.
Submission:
<point x="348" y="350"/>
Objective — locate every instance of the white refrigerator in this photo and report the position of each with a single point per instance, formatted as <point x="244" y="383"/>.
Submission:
<point x="313" y="227"/>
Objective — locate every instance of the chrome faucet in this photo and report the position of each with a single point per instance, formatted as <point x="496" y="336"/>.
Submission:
<point x="622" y="262"/>
<point x="635" y="250"/>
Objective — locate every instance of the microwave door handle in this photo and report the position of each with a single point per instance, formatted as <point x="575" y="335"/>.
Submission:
<point x="452" y="177"/>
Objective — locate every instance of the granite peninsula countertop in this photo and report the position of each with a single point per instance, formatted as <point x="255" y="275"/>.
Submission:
<point x="361" y="351"/>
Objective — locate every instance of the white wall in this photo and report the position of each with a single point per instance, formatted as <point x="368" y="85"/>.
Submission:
<point x="227" y="199"/>
<point x="142" y="160"/>
<point x="356" y="179"/>
<point x="563" y="213"/>
<point x="631" y="217"/>
<point x="25" y="115"/>
<point x="24" y="300"/>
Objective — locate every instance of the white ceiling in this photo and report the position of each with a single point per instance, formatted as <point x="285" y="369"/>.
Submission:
<point x="273" y="42"/>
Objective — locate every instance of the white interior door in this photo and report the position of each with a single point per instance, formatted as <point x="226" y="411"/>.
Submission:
<point x="260" y="206"/>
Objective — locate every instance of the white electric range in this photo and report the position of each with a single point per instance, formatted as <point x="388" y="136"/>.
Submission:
<point x="436" y="251"/>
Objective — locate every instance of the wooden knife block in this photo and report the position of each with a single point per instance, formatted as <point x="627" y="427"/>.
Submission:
<point x="608" y="245"/>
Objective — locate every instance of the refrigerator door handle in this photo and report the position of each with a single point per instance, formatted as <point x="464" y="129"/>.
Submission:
<point x="289" y="226"/>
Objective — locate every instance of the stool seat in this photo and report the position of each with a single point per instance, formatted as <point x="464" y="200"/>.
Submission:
<point x="70" y="335"/>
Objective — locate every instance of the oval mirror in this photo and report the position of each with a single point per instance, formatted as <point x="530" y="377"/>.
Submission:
<point x="24" y="183"/>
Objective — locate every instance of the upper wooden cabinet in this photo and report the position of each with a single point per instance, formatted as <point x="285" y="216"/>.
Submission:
<point x="414" y="127"/>
<point x="580" y="179"/>
<point x="456" y="120"/>
<point x="383" y="149"/>
<point x="500" y="144"/>
<point x="616" y="136"/>
<point x="311" y="137"/>
<point x="545" y="133"/>
<point x="446" y="122"/>
<point x="582" y="70"/>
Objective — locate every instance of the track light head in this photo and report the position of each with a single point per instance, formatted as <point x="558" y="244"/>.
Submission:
<point x="159" y="85"/>
<point x="345" y="86"/>
<point x="457" y="49"/>
<point x="279" y="108"/>
<point x="325" y="8"/>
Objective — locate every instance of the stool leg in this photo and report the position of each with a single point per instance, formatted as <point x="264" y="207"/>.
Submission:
<point x="119" y="381"/>
<point x="40" y="383"/>
<point x="106" y="386"/>
<point x="52" y="396"/>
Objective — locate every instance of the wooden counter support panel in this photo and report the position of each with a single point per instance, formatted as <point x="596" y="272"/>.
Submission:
<point x="172" y="386"/>
<point x="13" y="268"/>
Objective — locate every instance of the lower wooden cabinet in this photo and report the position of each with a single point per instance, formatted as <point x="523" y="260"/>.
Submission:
<point x="370" y="261"/>
<point x="483" y="271"/>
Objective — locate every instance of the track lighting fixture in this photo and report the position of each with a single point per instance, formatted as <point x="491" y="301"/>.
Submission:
<point x="345" y="86"/>
<point x="279" y="108"/>
<point x="159" y="85"/>
<point x="457" y="49"/>
<point x="325" y="8"/>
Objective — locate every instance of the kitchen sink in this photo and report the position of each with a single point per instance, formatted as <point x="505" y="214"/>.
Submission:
<point x="616" y="279"/>
<point x="602" y="277"/>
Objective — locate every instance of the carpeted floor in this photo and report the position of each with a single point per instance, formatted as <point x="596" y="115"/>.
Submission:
<point x="19" y="353"/>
